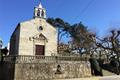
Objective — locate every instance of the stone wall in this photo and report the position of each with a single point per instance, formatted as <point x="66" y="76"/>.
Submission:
<point x="7" y="71"/>
<point x="44" y="71"/>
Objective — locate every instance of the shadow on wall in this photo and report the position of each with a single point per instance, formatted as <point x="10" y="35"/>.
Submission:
<point x="7" y="70"/>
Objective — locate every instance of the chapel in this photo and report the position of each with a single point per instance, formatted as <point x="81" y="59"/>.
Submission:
<point x="35" y="36"/>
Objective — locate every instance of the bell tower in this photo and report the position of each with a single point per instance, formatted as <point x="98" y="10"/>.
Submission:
<point x="39" y="12"/>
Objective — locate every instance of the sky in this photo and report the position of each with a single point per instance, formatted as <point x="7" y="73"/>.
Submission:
<point x="98" y="15"/>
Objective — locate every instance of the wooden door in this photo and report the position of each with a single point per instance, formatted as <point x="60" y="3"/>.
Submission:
<point x="40" y="50"/>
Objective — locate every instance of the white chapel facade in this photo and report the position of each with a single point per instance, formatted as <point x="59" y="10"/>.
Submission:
<point x="35" y="36"/>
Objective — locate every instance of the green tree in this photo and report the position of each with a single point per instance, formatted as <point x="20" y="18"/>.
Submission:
<point x="3" y="53"/>
<point x="61" y="26"/>
<point x="82" y="38"/>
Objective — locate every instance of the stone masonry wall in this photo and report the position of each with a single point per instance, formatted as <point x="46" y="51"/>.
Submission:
<point x="44" y="71"/>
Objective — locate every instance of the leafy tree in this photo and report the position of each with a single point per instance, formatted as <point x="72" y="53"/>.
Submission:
<point x="4" y="52"/>
<point x="82" y="38"/>
<point x="62" y="27"/>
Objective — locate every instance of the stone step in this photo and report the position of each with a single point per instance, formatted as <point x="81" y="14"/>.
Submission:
<point x="114" y="77"/>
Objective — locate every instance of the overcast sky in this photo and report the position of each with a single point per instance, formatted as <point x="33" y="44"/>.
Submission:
<point x="98" y="15"/>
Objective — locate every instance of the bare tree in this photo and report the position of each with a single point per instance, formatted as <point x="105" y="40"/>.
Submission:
<point x="111" y="42"/>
